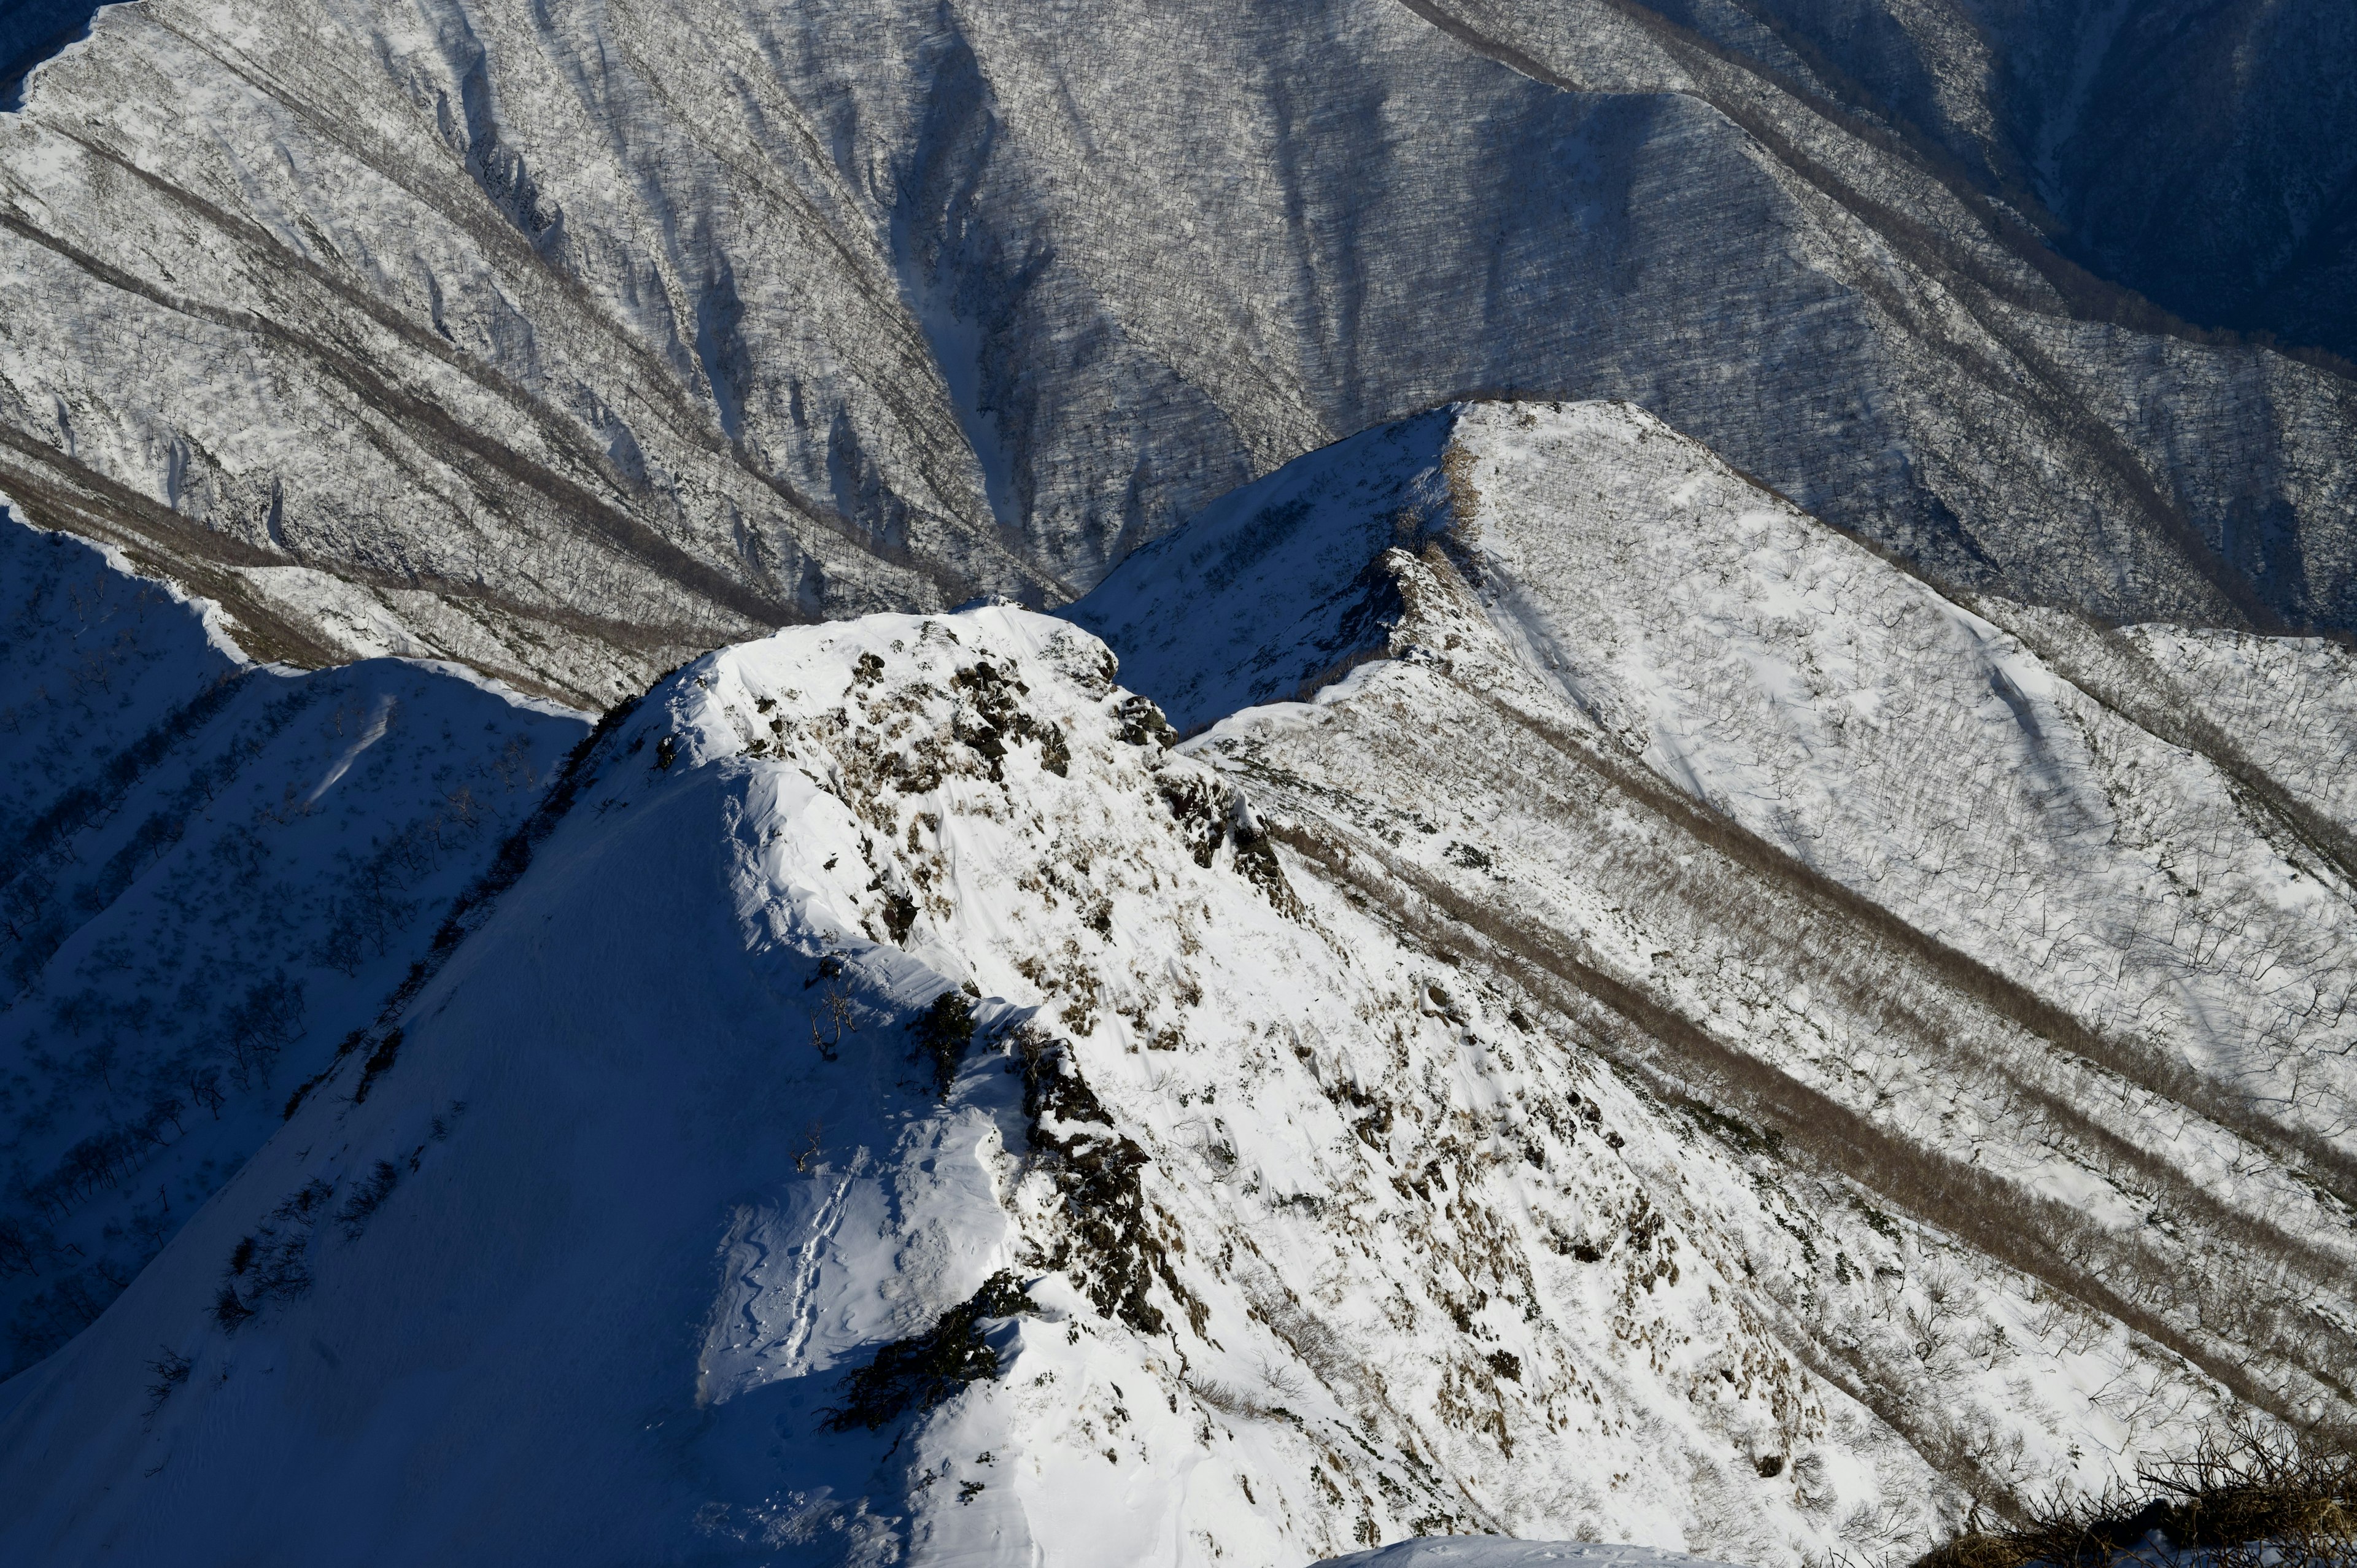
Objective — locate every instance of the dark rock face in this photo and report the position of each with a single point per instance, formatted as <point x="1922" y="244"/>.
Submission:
<point x="569" y="348"/>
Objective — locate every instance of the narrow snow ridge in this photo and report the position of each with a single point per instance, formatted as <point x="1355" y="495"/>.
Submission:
<point x="1310" y="1240"/>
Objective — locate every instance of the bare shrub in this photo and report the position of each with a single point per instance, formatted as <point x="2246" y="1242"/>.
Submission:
<point x="1313" y="1341"/>
<point x="1225" y="1398"/>
<point x="169" y="1369"/>
<point x="367" y="1199"/>
<point x="2247" y="1496"/>
<point x="262" y="1026"/>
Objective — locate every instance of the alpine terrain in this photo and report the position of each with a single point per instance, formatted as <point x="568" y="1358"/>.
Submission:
<point x="571" y="344"/>
<point x="1725" y="1048"/>
<point x="1395" y="782"/>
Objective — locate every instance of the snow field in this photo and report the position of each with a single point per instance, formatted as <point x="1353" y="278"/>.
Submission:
<point x="1610" y="610"/>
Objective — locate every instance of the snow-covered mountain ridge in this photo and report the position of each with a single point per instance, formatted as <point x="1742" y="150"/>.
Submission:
<point x="1474" y="1098"/>
<point x="572" y="348"/>
<point x="1936" y="759"/>
<point x="2162" y="925"/>
<point x="827" y="832"/>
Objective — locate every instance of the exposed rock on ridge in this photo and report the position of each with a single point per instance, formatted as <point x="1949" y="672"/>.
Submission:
<point x="1456" y="1126"/>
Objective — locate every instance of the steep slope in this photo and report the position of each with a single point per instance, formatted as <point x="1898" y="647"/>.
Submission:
<point x="906" y="1113"/>
<point x="2139" y="848"/>
<point x="2290" y="704"/>
<point x="210" y="874"/>
<point x="567" y="348"/>
<point x="1972" y="920"/>
<point x="1280" y="587"/>
<point x="2201" y="155"/>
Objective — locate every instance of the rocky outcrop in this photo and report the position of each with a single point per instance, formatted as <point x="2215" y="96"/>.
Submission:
<point x="1706" y="1051"/>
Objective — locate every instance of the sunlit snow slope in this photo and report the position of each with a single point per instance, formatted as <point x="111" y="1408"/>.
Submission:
<point x="2148" y="828"/>
<point x="1484" y="1551"/>
<point x="1454" y="1130"/>
<point x="2041" y="932"/>
<point x="210" y="873"/>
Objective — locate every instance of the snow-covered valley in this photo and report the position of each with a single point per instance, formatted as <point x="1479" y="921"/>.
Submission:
<point x="1627" y="1018"/>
